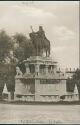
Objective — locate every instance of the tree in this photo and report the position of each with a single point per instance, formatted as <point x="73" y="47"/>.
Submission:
<point x="19" y="53"/>
<point x="21" y="39"/>
<point x="75" y="80"/>
<point x="25" y="49"/>
<point x="29" y="49"/>
<point x="76" y="76"/>
<point x="5" y="44"/>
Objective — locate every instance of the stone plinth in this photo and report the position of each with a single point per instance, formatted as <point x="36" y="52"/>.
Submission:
<point x="37" y="89"/>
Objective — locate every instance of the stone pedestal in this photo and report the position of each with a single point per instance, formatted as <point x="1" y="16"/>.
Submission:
<point x="15" y="98"/>
<point x="46" y="69"/>
<point x="37" y="89"/>
<point x="10" y="96"/>
<point x="37" y="69"/>
<point x="27" y="69"/>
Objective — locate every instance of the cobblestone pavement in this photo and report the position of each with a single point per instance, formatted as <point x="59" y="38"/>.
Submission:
<point x="39" y="114"/>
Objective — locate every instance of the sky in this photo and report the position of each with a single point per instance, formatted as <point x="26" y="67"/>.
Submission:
<point x="60" y="21"/>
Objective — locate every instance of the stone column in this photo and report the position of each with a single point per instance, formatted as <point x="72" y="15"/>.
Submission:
<point x="55" y="69"/>
<point x="37" y="89"/>
<point x="9" y="96"/>
<point x="37" y="69"/>
<point x="51" y="69"/>
<point x="27" y="68"/>
<point x="46" y="69"/>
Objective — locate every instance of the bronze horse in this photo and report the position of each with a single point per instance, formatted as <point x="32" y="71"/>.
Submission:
<point x="40" y="42"/>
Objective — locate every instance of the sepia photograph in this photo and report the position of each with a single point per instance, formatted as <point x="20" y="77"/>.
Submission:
<point x="39" y="62"/>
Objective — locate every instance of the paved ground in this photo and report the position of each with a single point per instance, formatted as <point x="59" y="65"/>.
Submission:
<point x="39" y="114"/>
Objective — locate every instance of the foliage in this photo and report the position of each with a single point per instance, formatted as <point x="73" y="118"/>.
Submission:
<point x="77" y="75"/>
<point x="25" y="49"/>
<point x="5" y="44"/>
<point x="75" y="80"/>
